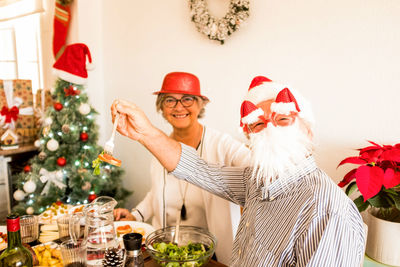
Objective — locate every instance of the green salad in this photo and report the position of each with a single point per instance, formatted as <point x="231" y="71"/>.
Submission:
<point x="190" y="255"/>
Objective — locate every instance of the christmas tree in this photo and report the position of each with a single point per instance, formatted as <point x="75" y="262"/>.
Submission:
<point x="62" y="171"/>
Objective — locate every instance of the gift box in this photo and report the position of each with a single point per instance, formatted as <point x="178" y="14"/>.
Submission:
<point x="16" y="104"/>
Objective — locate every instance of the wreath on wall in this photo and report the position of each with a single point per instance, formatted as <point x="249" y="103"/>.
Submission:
<point x="219" y="29"/>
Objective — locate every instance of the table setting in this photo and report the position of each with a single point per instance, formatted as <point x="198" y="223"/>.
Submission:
<point x="87" y="235"/>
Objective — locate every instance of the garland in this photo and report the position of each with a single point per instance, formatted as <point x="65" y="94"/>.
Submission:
<point x="219" y="29"/>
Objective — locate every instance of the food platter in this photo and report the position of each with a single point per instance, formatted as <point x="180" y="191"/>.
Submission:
<point x="135" y="227"/>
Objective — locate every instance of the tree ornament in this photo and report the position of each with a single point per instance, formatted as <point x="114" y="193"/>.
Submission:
<point x="219" y="29"/>
<point x="71" y="91"/>
<point x="84" y="136"/>
<point x="58" y="106"/>
<point x="86" y="186"/>
<point x="61" y="161"/>
<point x="65" y="128"/>
<point x="52" y="145"/>
<point x="19" y="195"/>
<point x="42" y="155"/>
<point x="29" y="187"/>
<point x="48" y="121"/>
<point x="27" y="168"/>
<point x="92" y="197"/>
<point x="30" y="210"/>
<point x="46" y="130"/>
<point x="37" y="143"/>
<point x="84" y="109"/>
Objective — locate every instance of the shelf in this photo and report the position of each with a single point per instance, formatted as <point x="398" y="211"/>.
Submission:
<point x="21" y="149"/>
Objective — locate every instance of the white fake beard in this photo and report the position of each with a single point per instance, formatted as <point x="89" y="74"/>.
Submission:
<point x="277" y="150"/>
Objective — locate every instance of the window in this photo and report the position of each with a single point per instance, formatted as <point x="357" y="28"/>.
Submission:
<point x="20" y="50"/>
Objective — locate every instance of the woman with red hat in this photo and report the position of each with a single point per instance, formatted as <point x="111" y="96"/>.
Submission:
<point x="181" y="104"/>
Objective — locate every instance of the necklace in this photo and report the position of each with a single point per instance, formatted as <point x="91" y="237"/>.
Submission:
<point x="183" y="195"/>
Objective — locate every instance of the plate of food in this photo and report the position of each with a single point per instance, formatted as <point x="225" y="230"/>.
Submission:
<point x="3" y="237"/>
<point x="48" y="254"/>
<point x="126" y="227"/>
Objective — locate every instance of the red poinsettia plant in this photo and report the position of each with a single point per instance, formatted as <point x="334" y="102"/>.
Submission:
<point x="377" y="178"/>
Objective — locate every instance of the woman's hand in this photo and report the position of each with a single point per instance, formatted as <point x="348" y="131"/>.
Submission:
<point x="123" y="215"/>
<point x="132" y="122"/>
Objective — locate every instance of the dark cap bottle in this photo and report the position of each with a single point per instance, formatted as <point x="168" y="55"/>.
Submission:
<point x="133" y="247"/>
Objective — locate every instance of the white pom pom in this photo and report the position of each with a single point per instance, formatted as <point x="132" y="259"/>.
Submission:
<point x="52" y="145"/>
<point x="29" y="187"/>
<point x="37" y="143"/>
<point x="84" y="109"/>
<point x="48" y="121"/>
<point x="30" y="210"/>
<point x="90" y="66"/>
<point x="19" y="195"/>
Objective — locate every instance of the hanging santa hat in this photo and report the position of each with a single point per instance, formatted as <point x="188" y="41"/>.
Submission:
<point x="285" y="103"/>
<point x="71" y="66"/>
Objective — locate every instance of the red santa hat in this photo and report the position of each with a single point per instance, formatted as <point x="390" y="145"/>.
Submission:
<point x="261" y="89"/>
<point x="285" y="103"/>
<point x="71" y="66"/>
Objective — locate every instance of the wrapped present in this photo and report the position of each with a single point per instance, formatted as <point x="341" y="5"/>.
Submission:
<point x="42" y="101"/>
<point x="16" y="104"/>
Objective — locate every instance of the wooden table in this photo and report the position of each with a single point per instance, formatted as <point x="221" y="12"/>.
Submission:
<point x="149" y="262"/>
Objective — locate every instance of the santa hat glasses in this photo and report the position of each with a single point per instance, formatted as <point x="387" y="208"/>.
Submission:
<point x="262" y="89"/>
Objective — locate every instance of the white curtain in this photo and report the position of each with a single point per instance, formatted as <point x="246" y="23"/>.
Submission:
<point x="11" y="9"/>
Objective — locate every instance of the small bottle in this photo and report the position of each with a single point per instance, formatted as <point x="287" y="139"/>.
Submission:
<point x="15" y="254"/>
<point x="133" y="247"/>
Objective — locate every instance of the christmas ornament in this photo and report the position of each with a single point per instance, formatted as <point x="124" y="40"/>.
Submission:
<point x="29" y="187"/>
<point x="71" y="91"/>
<point x="113" y="257"/>
<point x="71" y="66"/>
<point x="42" y="155"/>
<point x="61" y="161"/>
<point x="62" y="17"/>
<point x="30" y="210"/>
<point x="46" y="130"/>
<point x="52" y="145"/>
<point x="48" y="121"/>
<point x="84" y="137"/>
<point x="86" y="186"/>
<point x="37" y="143"/>
<point x="58" y="106"/>
<point x="92" y="197"/>
<point x="219" y="28"/>
<point x="65" y="128"/>
<point x="27" y="168"/>
<point x="19" y="195"/>
<point x="84" y="109"/>
<point x="54" y="177"/>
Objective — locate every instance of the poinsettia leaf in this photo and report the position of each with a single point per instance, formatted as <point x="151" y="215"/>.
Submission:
<point x="375" y="144"/>
<point x="391" y="178"/>
<point x="361" y="204"/>
<point x="397" y="146"/>
<point x="347" y="178"/>
<point x="391" y="155"/>
<point x="351" y="188"/>
<point x="352" y="160"/>
<point x="369" y="148"/>
<point x="369" y="180"/>
<point x="379" y="201"/>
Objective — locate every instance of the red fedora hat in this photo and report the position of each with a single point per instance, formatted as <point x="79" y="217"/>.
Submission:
<point x="181" y="83"/>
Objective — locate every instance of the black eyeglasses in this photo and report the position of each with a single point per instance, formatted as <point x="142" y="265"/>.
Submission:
<point x="186" y="101"/>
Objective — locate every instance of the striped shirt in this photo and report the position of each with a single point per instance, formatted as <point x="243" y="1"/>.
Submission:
<point x="305" y="221"/>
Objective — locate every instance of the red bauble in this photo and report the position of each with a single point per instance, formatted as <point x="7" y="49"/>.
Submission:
<point x="92" y="197"/>
<point x="58" y="106"/>
<point x="61" y="161"/>
<point x="84" y="137"/>
<point x="27" y="168"/>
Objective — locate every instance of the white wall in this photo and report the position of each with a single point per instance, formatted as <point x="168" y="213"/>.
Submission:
<point x="342" y="54"/>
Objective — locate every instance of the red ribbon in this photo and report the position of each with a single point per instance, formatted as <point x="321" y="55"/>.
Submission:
<point x="70" y="91"/>
<point x="10" y="114"/>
